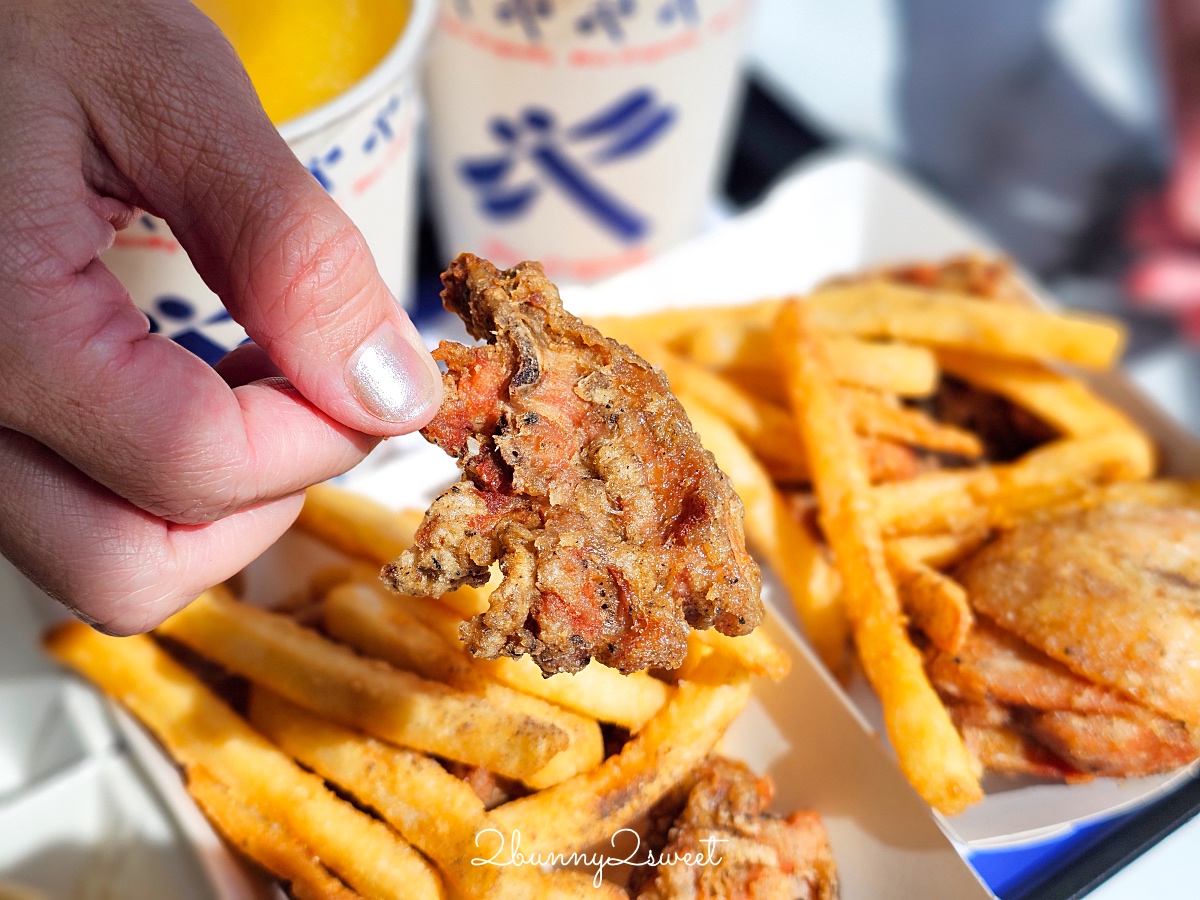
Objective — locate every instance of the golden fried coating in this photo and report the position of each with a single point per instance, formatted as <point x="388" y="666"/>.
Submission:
<point x="738" y="851"/>
<point x="1112" y="593"/>
<point x="1020" y="711"/>
<point x="976" y="274"/>
<point x="613" y="527"/>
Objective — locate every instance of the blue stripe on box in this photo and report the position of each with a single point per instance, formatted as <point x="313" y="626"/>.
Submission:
<point x="1012" y="872"/>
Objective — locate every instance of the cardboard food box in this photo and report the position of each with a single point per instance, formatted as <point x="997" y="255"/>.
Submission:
<point x="77" y="772"/>
<point x="843" y="214"/>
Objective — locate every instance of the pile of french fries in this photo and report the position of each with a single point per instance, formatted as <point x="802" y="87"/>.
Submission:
<point x="813" y="395"/>
<point x="359" y="693"/>
<point x="361" y="700"/>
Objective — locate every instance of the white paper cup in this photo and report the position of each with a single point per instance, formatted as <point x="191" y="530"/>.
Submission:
<point x="361" y="146"/>
<point x="586" y="134"/>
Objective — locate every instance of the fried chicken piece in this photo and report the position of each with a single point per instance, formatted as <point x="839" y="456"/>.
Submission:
<point x="737" y="850"/>
<point x="1021" y="711"/>
<point x="993" y="665"/>
<point x="1111" y="592"/>
<point x="1006" y="430"/>
<point x="987" y="730"/>
<point x="986" y="277"/>
<point x="614" y="529"/>
<point x="1141" y="743"/>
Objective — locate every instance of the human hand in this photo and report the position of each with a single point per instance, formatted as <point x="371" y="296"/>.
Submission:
<point x="132" y="475"/>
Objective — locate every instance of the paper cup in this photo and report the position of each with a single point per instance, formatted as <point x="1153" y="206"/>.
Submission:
<point x="361" y="146"/>
<point x="587" y="134"/>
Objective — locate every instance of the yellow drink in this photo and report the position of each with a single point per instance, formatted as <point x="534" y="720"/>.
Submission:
<point x="302" y="53"/>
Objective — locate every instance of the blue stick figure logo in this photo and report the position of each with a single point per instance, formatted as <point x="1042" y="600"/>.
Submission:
<point x="605" y="16"/>
<point x="628" y="127"/>
<point x="679" y="10"/>
<point x="526" y="13"/>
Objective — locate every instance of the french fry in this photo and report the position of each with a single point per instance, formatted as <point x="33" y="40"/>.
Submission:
<point x="325" y="580"/>
<point x="378" y="623"/>
<point x="1057" y="472"/>
<point x="935" y="603"/>
<point x="437" y="812"/>
<point x="771" y="433"/>
<point x="929" y="748"/>
<point x="940" y="551"/>
<point x="1063" y="470"/>
<point x="934" y="502"/>
<point x="1161" y="492"/>
<point x="469" y="600"/>
<point x="357" y="525"/>
<point x="746" y="355"/>
<point x="755" y="652"/>
<point x="334" y="681"/>
<point x="198" y="729"/>
<point x="1062" y="402"/>
<point x="369" y="619"/>
<point x="880" y="415"/>
<point x="596" y="690"/>
<point x="669" y="325"/>
<point x="265" y="841"/>
<point x="881" y="309"/>
<point x="895" y="367"/>
<point x="589" y="808"/>
<point x="777" y="536"/>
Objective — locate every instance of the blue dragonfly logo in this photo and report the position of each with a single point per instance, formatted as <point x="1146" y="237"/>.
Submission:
<point x="679" y="10"/>
<point x="605" y="16"/>
<point x="561" y="158"/>
<point x="526" y="13"/>
<point x="318" y="166"/>
<point x="381" y="127"/>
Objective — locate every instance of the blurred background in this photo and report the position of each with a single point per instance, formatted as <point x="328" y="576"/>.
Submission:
<point x="596" y="134"/>
<point x="1065" y="129"/>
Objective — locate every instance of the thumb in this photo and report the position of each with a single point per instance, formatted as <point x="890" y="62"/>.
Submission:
<point x="289" y="265"/>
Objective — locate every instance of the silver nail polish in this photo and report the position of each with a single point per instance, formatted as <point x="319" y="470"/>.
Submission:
<point x="389" y="379"/>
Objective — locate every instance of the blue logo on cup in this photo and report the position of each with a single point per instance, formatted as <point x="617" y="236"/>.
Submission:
<point x="606" y="16"/>
<point x="526" y="13"/>
<point x="177" y="317"/>
<point x="679" y="10"/>
<point x="560" y="160"/>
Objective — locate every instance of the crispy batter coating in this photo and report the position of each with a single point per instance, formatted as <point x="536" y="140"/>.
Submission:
<point x="1112" y="593"/>
<point x="737" y="850"/>
<point x="977" y="274"/>
<point x="1085" y="659"/>
<point x="613" y="527"/>
<point x="1022" y="712"/>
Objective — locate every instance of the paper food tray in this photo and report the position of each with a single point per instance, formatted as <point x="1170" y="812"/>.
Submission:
<point x="815" y="747"/>
<point x="78" y="818"/>
<point x="75" y="777"/>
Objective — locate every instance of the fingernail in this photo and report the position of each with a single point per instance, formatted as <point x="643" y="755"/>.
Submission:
<point x="390" y="377"/>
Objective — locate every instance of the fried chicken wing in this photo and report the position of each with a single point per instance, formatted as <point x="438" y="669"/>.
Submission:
<point x="1021" y="711"/>
<point x="1085" y="656"/>
<point x="725" y="846"/>
<point x="1112" y="593"/>
<point x="613" y="527"/>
